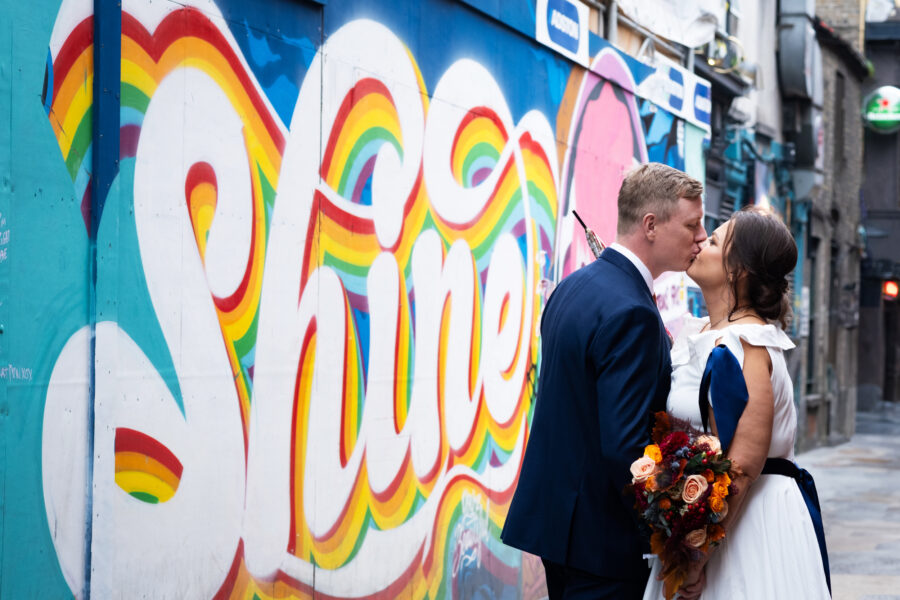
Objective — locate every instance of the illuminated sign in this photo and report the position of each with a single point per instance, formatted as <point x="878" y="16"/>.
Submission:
<point x="881" y="109"/>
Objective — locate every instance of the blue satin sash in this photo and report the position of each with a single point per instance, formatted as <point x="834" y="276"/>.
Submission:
<point x="723" y="387"/>
<point x="782" y="466"/>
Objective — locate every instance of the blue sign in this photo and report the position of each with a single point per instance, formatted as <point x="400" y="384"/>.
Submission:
<point x="677" y="79"/>
<point x="702" y="102"/>
<point x="563" y="24"/>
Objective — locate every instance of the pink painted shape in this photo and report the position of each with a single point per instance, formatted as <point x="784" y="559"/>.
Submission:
<point x="606" y="151"/>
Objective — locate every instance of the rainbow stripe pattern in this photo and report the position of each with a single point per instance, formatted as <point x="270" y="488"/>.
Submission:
<point x="68" y="96"/>
<point x="187" y="38"/>
<point x="521" y="203"/>
<point x="145" y="468"/>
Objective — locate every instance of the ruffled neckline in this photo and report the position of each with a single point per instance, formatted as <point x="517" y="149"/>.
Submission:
<point x="693" y="343"/>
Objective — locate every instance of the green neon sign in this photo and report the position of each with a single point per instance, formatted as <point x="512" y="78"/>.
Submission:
<point x="881" y="109"/>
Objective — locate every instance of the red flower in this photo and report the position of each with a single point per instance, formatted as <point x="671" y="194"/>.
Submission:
<point x="674" y="441"/>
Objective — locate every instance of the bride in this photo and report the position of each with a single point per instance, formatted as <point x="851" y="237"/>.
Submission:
<point x="772" y="548"/>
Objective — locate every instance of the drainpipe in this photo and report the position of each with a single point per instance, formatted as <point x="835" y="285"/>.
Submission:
<point x="612" y="23"/>
<point x="107" y="56"/>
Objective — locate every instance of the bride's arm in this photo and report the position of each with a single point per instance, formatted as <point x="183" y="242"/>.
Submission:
<point x="750" y="446"/>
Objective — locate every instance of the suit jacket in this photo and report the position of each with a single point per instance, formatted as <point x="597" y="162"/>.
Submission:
<point x="605" y="369"/>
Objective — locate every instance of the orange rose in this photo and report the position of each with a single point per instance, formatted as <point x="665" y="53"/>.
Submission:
<point x="650" y="486"/>
<point x="665" y="504"/>
<point x="716" y="533"/>
<point x="716" y="504"/>
<point x="710" y="476"/>
<point x="695" y="538"/>
<point x="653" y="452"/>
<point x="724" y="479"/>
<point x="694" y="486"/>
<point x="719" y="490"/>
<point x="642" y="468"/>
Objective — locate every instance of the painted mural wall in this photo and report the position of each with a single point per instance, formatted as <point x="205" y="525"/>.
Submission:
<point x="294" y="348"/>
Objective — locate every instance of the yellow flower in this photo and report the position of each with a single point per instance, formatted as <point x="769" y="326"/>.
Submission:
<point x="653" y="452"/>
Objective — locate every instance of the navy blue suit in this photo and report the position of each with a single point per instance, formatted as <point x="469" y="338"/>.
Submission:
<point x="605" y="370"/>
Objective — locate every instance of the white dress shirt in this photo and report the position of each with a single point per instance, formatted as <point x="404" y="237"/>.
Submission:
<point x="638" y="264"/>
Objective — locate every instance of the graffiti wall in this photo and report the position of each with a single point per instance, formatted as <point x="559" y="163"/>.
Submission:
<point x="291" y="349"/>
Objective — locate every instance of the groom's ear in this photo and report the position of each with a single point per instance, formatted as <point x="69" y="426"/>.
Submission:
<point x="649" y="226"/>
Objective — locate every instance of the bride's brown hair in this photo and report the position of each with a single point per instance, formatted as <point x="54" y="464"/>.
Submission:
<point x="759" y="254"/>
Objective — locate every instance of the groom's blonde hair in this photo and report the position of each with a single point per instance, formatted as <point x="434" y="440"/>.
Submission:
<point x="653" y="188"/>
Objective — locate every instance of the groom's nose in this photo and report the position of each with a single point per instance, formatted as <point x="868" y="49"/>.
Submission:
<point x="700" y="236"/>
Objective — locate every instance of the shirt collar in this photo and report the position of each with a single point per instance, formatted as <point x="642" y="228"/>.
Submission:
<point x="638" y="264"/>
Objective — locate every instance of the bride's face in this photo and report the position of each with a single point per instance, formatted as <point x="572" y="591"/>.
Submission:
<point x="708" y="269"/>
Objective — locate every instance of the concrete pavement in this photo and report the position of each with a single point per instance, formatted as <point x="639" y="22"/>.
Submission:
<point x="859" y="490"/>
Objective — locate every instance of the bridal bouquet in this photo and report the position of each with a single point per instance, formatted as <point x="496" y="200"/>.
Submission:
<point x="681" y="485"/>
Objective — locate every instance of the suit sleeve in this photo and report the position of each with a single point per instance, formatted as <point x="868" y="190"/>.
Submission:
<point x="626" y="355"/>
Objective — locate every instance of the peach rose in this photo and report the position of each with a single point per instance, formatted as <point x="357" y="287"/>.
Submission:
<point x="711" y="441"/>
<point x="642" y="468"/>
<point x="695" y="538"/>
<point x="694" y="486"/>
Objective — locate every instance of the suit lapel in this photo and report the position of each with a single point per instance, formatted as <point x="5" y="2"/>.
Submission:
<point x="617" y="259"/>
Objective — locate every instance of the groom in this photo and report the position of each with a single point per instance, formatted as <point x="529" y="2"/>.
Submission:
<point x="605" y="370"/>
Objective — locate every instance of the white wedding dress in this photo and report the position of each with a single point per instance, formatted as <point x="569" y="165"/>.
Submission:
<point x="771" y="551"/>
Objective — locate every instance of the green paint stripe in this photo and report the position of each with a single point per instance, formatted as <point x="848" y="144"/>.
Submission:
<point x="133" y="97"/>
<point x="488" y="244"/>
<point x="479" y="150"/>
<point x="145" y="497"/>
<point x="375" y="133"/>
<point x="334" y="262"/>
<point x="80" y="145"/>
<point x="541" y="200"/>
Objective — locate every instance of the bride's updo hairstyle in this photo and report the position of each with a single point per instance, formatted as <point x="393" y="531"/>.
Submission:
<point x="760" y="253"/>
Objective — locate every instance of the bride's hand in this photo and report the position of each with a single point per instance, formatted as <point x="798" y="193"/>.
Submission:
<point x="693" y="583"/>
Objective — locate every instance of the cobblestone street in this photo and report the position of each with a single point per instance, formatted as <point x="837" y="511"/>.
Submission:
<point x="859" y="489"/>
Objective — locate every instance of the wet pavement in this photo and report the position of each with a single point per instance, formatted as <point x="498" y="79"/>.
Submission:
<point x="859" y="490"/>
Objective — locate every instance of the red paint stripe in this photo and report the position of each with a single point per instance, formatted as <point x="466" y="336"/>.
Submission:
<point x="407" y="208"/>
<point x="230" y="581"/>
<point x="229" y="303"/>
<point x="479" y="112"/>
<point x="295" y="415"/>
<point x="391" y="592"/>
<point x="190" y="22"/>
<point x="526" y="142"/>
<point x="343" y="515"/>
<point x="348" y="221"/>
<point x="80" y="38"/>
<point x="394" y="486"/>
<point x="397" y="358"/>
<point x="200" y="172"/>
<point x="346" y="364"/>
<point x="130" y="440"/>
<point x="363" y="88"/>
<point x="474" y="220"/>
<point x="311" y="228"/>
